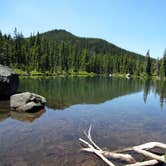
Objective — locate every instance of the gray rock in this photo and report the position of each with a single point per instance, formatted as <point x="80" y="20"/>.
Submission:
<point x="26" y="101"/>
<point x="8" y="82"/>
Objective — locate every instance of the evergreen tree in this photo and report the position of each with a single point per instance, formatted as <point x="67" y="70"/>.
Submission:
<point x="148" y="63"/>
<point x="164" y="62"/>
<point x="163" y="66"/>
<point x="157" y="67"/>
<point x="1" y="53"/>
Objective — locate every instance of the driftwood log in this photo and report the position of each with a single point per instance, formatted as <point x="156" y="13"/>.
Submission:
<point x="92" y="147"/>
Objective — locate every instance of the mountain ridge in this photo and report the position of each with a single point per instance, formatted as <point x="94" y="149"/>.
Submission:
<point x="66" y="35"/>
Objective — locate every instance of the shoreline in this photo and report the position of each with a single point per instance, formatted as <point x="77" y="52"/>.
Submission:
<point x="63" y="74"/>
<point x="92" y="75"/>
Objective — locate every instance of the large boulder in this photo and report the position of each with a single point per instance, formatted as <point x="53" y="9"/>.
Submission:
<point x="8" y="82"/>
<point x="26" y="102"/>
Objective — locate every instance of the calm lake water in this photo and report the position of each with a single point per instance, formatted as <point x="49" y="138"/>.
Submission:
<point x="122" y="112"/>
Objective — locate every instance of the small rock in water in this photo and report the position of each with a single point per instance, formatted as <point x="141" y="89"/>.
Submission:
<point x="26" y="101"/>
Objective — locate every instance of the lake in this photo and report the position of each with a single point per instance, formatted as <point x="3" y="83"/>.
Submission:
<point x="122" y="113"/>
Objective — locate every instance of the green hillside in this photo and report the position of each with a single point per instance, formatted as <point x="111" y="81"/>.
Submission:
<point x="96" y="45"/>
<point x="59" y="51"/>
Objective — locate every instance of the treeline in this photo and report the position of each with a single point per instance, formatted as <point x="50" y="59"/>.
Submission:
<point x="59" y="51"/>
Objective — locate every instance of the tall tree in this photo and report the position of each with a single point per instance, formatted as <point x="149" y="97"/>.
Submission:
<point x="157" y="67"/>
<point x="1" y="47"/>
<point x="163" y="66"/>
<point x="148" y="63"/>
<point x="164" y="62"/>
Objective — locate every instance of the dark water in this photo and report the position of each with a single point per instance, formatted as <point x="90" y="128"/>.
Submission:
<point x="122" y="112"/>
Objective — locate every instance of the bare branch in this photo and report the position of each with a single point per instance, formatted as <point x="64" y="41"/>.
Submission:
<point x="88" y="135"/>
<point x="151" y="155"/>
<point x="97" y="153"/>
<point x="124" y="157"/>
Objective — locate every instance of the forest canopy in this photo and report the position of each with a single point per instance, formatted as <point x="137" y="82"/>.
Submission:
<point x="59" y="51"/>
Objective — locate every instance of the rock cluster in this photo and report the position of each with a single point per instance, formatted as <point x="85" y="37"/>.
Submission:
<point x="22" y="102"/>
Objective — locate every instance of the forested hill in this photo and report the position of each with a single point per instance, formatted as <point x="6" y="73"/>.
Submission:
<point x="94" y="45"/>
<point x="59" y="51"/>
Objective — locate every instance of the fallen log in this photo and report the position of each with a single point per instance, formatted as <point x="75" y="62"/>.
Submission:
<point x="145" y="146"/>
<point x="92" y="147"/>
<point x="124" y="157"/>
<point x="97" y="153"/>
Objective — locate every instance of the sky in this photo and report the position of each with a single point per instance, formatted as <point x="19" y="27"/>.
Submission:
<point x="136" y="25"/>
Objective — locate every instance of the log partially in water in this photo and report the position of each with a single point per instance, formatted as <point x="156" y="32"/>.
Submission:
<point x="141" y="149"/>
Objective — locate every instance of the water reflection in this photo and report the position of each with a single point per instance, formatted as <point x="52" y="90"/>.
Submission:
<point x="161" y="91"/>
<point x="147" y="87"/>
<point x="4" y="115"/>
<point x="158" y="87"/>
<point x="4" y="106"/>
<point x="23" y="116"/>
<point x="64" y="92"/>
<point x="26" y="116"/>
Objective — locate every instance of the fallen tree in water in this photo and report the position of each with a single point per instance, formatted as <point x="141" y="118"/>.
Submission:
<point x="92" y="147"/>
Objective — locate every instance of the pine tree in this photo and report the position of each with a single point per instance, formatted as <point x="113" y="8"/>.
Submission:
<point x="148" y="63"/>
<point x="164" y="63"/>
<point x="157" y="67"/>
<point x="163" y="66"/>
<point x="1" y="47"/>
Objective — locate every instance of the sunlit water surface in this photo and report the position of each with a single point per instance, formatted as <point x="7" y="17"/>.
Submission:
<point x="122" y="113"/>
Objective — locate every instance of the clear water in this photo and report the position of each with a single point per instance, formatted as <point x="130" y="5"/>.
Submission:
<point x="122" y="112"/>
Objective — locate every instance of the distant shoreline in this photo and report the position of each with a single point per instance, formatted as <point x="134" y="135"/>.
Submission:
<point x="83" y="74"/>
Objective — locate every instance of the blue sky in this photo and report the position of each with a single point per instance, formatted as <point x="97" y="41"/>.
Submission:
<point x="136" y="25"/>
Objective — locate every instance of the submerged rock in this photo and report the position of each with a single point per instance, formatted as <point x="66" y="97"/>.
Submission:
<point x="26" y="101"/>
<point x="8" y="82"/>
